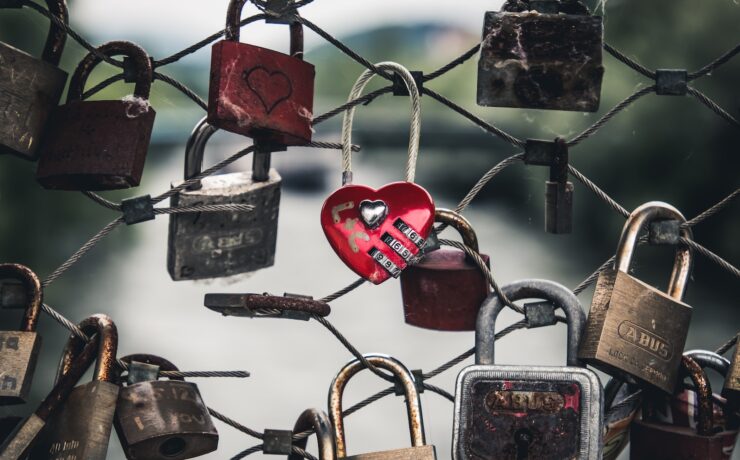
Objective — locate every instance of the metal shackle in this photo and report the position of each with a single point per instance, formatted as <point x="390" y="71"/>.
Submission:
<point x="710" y="360"/>
<point x="459" y="223"/>
<point x="107" y="335"/>
<point x="233" y="26"/>
<point x="140" y="58"/>
<point x="562" y="297"/>
<point x="163" y="364"/>
<point x="705" y="408"/>
<point x="318" y="421"/>
<point x="195" y="148"/>
<point x="641" y="216"/>
<point x="413" y="403"/>
<point x="57" y="36"/>
<point x="34" y="293"/>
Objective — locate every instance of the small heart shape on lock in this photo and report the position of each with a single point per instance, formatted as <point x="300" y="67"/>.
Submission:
<point x="270" y="87"/>
<point x="373" y="213"/>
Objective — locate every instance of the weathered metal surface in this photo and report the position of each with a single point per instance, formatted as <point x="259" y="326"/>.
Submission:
<point x="19" y="349"/>
<point x="664" y="232"/>
<point x="539" y="314"/>
<point x="139" y="209"/>
<point x="318" y="421"/>
<point x="259" y="92"/>
<point x="250" y="304"/>
<point x="558" y="207"/>
<point x="541" y="61"/>
<point x="633" y="329"/>
<point x="419" y="449"/>
<point x="671" y="82"/>
<point x="277" y="442"/>
<point x="731" y="389"/>
<point x="99" y="145"/>
<point x="618" y="416"/>
<point x="513" y="412"/>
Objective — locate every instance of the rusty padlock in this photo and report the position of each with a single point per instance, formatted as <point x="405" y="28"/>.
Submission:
<point x="633" y="329"/>
<point x="622" y="403"/>
<point x="731" y="389"/>
<point x="318" y="421"/>
<point x="99" y="145"/>
<point x="259" y="92"/>
<point x="19" y="350"/>
<point x="218" y="244"/>
<point x="420" y="450"/>
<point x="445" y="289"/>
<point x="510" y="412"/>
<point x="541" y="54"/>
<point x="653" y="440"/>
<point x="30" y="88"/>
<point x="81" y="428"/>
<point x="19" y="442"/>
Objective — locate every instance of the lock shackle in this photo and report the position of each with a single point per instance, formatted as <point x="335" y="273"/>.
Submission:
<point x="57" y="36"/>
<point x="106" y="367"/>
<point x="162" y="363"/>
<point x="196" y="146"/>
<point x="34" y="293"/>
<point x="317" y="420"/>
<point x="562" y="297"/>
<point x="414" y="130"/>
<point x="703" y="388"/>
<point x="639" y="218"/>
<point x="401" y="372"/>
<point x="459" y="223"/>
<point x="710" y="360"/>
<point x="233" y="27"/>
<point x="140" y="58"/>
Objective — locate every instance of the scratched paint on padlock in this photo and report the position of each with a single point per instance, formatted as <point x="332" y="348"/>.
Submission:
<point x="18" y="354"/>
<point x="547" y="412"/>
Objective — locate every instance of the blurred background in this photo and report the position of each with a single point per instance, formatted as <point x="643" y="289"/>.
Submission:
<point x="661" y="148"/>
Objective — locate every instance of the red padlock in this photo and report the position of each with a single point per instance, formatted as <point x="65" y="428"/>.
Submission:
<point x="99" y="145"/>
<point x="259" y="92"/>
<point x="445" y="290"/>
<point x="378" y="232"/>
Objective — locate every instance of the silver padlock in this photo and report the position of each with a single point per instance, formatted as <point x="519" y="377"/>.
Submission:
<point x="512" y="412"/>
<point x="218" y="244"/>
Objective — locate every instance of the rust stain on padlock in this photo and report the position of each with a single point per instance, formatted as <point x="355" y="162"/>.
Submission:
<point x="248" y="304"/>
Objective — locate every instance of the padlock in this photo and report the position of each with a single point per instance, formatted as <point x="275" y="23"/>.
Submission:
<point x="19" y="350"/>
<point x="377" y="233"/>
<point x="445" y="289"/>
<point x="653" y="440"/>
<point x="18" y="442"/>
<point x="218" y="244"/>
<point x="731" y="389"/>
<point x="318" y="421"/>
<point x="513" y="412"/>
<point x="419" y="450"/>
<point x="622" y="403"/>
<point x="30" y="88"/>
<point x="541" y="54"/>
<point x="162" y="419"/>
<point x="633" y="329"/>
<point x="81" y="428"/>
<point x="99" y="145"/>
<point x="259" y="92"/>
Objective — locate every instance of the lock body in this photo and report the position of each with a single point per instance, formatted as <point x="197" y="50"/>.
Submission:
<point x="217" y="244"/>
<point x="96" y="145"/>
<point x="18" y="355"/>
<point x="444" y="291"/>
<point x="511" y="412"/>
<point x="164" y="420"/>
<point x="29" y="90"/>
<point x="657" y="441"/>
<point x="260" y="93"/>
<point x="81" y="428"/>
<point x="731" y="388"/>
<point x="635" y="330"/>
<point x="409" y="453"/>
<point x="558" y="207"/>
<point x="541" y="61"/>
<point x="618" y="417"/>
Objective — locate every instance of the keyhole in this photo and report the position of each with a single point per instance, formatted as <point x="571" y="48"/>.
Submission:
<point x="172" y="447"/>
<point x="522" y="438"/>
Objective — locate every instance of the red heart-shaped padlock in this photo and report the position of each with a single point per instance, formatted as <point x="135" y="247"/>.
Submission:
<point x="376" y="232"/>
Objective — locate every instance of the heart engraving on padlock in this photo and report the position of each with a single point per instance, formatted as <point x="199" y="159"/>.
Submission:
<point x="270" y="87"/>
<point x="403" y="214"/>
<point x="373" y="213"/>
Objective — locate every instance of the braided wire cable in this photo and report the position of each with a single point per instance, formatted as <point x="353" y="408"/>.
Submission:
<point x="247" y="452"/>
<point x="355" y="284"/>
<point x="182" y="88"/>
<point x="629" y="62"/>
<point x="485" y="179"/>
<point x="234" y="424"/>
<point x="102" y="85"/>
<point x="727" y="345"/>
<point x="712" y="210"/>
<point x="103" y="201"/>
<point x="713" y="106"/>
<point x="711" y="256"/>
<point x="600" y="193"/>
<point x="716" y="63"/>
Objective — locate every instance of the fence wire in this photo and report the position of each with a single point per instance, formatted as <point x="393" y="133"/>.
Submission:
<point x="292" y="13"/>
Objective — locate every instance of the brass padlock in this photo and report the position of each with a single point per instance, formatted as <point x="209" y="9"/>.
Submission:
<point x="622" y="403"/>
<point x="19" y="350"/>
<point x="731" y="389"/>
<point x="541" y="54"/>
<point x="445" y="289"/>
<point x="633" y="329"/>
<point x="510" y="412"/>
<point x="30" y="88"/>
<point x="162" y="419"/>
<point x="419" y="451"/>
<point x="653" y="440"/>
<point x="218" y="244"/>
<point x="318" y="421"/>
<point x="81" y="428"/>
